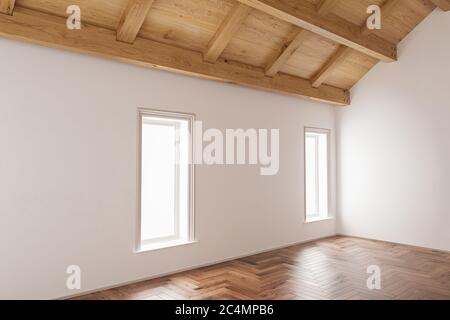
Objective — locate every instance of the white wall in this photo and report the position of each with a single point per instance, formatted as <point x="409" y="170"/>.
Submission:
<point x="68" y="171"/>
<point x="394" y="145"/>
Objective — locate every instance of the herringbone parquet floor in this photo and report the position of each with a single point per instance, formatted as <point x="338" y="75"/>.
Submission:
<point x="333" y="268"/>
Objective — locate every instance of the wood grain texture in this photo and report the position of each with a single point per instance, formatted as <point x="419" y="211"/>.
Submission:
<point x="324" y="7"/>
<point x="273" y="68"/>
<point x="191" y="24"/>
<point x="355" y="66"/>
<point x="335" y="61"/>
<point x="51" y="31"/>
<point x="310" y="56"/>
<point x="259" y="40"/>
<point x="132" y="19"/>
<point x="303" y="14"/>
<point x="442" y="4"/>
<point x="333" y="268"/>
<point x="7" y="6"/>
<point x="227" y="30"/>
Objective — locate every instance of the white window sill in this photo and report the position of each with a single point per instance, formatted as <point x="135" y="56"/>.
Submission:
<point x="163" y="245"/>
<point x="312" y="220"/>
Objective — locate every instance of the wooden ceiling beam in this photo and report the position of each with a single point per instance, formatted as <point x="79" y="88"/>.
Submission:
<point x="7" y="6"/>
<point x="324" y="7"/>
<point x="132" y="19"/>
<point x="304" y="15"/>
<point x="442" y="4"/>
<point x="49" y="30"/>
<point x="332" y="64"/>
<point x="274" y="67"/>
<point x="226" y="31"/>
<point x="386" y="11"/>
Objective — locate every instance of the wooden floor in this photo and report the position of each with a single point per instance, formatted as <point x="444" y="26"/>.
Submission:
<point x="333" y="268"/>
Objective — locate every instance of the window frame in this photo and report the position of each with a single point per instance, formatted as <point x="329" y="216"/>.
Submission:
<point x="173" y="240"/>
<point x="317" y="217"/>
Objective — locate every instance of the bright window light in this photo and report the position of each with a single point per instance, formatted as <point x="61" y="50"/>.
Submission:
<point x="316" y="174"/>
<point x="165" y="215"/>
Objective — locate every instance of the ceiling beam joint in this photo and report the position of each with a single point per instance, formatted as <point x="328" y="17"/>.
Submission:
<point x="442" y="4"/>
<point x="226" y="31"/>
<point x="304" y="15"/>
<point x="49" y="30"/>
<point x="7" y="6"/>
<point x="275" y="66"/>
<point x="330" y="66"/>
<point x="132" y="20"/>
<point x="326" y="6"/>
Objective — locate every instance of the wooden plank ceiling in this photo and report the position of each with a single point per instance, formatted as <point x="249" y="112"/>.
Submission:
<point x="317" y="49"/>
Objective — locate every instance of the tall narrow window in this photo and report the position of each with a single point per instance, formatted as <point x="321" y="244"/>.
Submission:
<point x="316" y="174"/>
<point x="166" y="176"/>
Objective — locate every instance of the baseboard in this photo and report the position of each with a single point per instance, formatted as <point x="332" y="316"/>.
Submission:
<point x="391" y="242"/>
<point x="165" y="274"/>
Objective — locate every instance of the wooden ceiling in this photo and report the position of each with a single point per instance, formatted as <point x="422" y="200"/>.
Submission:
<point x="317" y="49"/>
